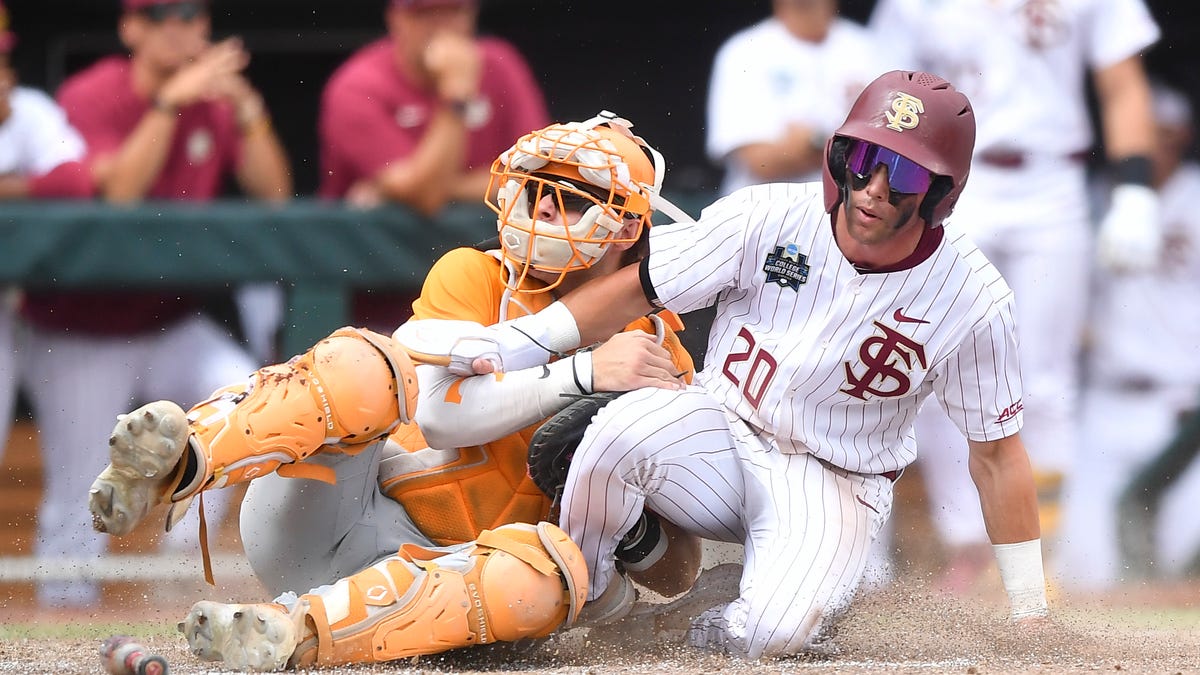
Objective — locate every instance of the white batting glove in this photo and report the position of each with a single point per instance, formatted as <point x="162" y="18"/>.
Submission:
<point x="1130" y="236"/>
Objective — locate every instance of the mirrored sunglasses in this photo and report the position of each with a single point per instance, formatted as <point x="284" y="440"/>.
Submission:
<point x="184" y="11"/>
<point x="904" y="175"/>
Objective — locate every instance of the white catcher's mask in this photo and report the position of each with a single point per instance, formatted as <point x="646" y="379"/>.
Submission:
<point x="597" y="168"/>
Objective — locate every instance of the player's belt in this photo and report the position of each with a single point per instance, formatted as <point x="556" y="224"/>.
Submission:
<point x="1004" y="158"/>
<point x="892" y="475"/>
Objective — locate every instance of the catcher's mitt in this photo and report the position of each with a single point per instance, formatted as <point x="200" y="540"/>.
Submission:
<point x="554" y="443"/>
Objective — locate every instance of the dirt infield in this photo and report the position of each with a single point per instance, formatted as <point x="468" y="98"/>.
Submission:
<point x="900" y="630"/>
<point x="906" y="629"/>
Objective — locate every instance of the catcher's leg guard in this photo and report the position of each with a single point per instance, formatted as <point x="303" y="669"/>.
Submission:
<point x="351" y="388"/>
<point x="514" y="582"/>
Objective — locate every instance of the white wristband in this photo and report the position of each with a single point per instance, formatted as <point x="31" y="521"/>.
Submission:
<point x="1021" y="571"/>
<point x="581" y="367"/>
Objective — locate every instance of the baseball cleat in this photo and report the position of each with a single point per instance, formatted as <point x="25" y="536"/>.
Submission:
<point x="613" y="604"/>
<point x="144" y="449"/>
<point x="243" y="637"/>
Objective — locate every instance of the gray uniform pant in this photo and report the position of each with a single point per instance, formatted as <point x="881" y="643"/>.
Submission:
<point x="300" y="534"/>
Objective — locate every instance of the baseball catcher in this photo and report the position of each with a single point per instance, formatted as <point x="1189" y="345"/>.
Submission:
<point x="419" y="529"/>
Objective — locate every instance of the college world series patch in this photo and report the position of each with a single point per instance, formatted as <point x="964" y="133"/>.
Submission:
<point x="787" y="266"/>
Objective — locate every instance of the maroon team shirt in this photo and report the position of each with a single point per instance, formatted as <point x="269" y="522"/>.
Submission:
<point x="101" y="103"/>
<point x="372" y="114"/>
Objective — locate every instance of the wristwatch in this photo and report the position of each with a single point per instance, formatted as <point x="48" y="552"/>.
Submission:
<point x="474" y="112"/>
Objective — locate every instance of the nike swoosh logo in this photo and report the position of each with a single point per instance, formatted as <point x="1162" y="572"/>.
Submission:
<point x="860" y="501"/>
<point x="900" y="318"/>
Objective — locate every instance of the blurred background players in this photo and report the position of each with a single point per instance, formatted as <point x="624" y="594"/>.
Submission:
<point x="1142" y="379"/>
<point x="779" y="88"/>
<point x="173" y="120"/>
<point x="39" y="159"/>
<point x="1023" y="66"/>
<point x="776" y="92"/>
<point x="417" y="118"/>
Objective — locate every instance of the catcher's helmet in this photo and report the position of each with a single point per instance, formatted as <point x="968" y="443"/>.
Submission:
<point x="597" y="167"/>
<point x="920" y="116"/>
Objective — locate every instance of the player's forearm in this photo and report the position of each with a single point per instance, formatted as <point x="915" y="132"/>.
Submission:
<point x="14" y="187"/>
<point x="264" y="172"/>
<point x="496" y="406"/>
<point x="1004" y="478"/>
<point x="1007" y="494"/>
<point x="424" y="179"/>
<point x="471" y="187"/>
<point x="1125" y="109"/>
<point x="130" y="173"/>
<point x="784" y="158"/>
<point x="592" y="313"/>
<point x="604" y="306"/>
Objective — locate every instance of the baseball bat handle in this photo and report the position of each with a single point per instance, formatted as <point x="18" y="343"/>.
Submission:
<point x="124" y="656"/>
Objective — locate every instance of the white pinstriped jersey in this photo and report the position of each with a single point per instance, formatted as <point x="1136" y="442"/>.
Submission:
<point x="826" y="360"/>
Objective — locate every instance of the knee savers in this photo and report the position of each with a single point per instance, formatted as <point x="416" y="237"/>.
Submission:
<point x="352" y="387"/>
<point x="514" y="582"/>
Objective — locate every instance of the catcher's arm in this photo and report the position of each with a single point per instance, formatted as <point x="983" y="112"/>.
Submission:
<point x="499" y="405"/>
<point x="596" y="311"/>
<point x="466" y="346"/>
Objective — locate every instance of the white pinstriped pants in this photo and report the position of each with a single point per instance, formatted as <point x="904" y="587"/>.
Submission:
<point x="806" y="527"/>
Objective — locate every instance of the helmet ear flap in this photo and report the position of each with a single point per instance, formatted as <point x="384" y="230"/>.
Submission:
<point x="837" y="158"/>
<point x="835" y="167"/>
<point x="939" y="189"/>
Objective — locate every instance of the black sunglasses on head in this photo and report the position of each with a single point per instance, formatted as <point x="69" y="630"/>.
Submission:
<point x="184" y="11"/>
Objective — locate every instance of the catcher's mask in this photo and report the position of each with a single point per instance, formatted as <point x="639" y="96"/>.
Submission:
<point x="906" y="119"/>
<point x="596" y="168"/>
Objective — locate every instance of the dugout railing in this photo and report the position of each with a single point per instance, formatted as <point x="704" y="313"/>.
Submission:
<point x="319" y="251"/>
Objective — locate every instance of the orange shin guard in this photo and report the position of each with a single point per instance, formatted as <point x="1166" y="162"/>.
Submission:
<point x="351" y="388"/>
<point x="517" y="581"/>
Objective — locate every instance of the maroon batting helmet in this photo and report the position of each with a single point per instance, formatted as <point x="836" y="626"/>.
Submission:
<point x="920" y="116"/>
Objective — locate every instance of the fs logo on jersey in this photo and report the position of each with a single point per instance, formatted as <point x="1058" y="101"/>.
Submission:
<point x="906" y="111"/>
<point x="200" y="146"/>
<point x="787" y="266"/>
<point x="1044" y="23"/>
<point x="889" y="358"/>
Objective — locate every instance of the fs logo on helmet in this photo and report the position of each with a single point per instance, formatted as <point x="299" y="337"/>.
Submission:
<point x="907" y="109"/>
